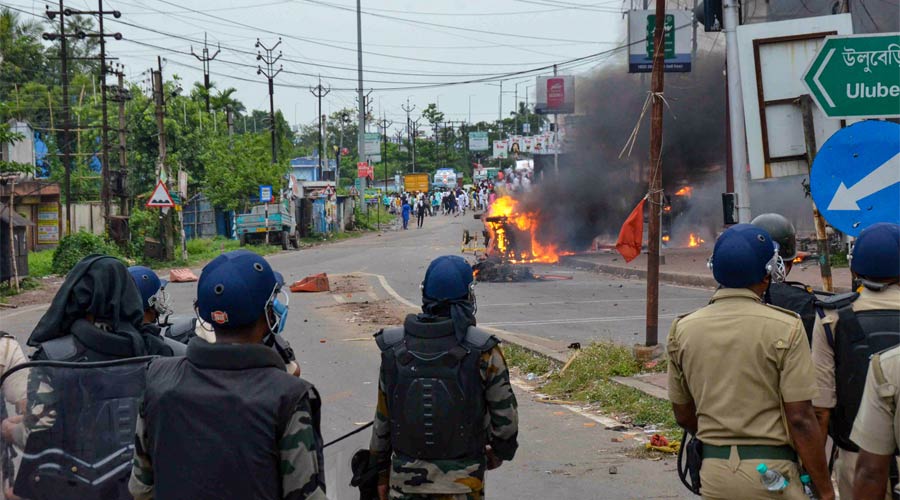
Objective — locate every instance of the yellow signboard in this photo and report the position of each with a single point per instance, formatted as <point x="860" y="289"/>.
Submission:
<point x="48" y="224"/>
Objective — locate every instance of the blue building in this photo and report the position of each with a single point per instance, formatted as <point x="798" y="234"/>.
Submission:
<point x="306" y="168"/>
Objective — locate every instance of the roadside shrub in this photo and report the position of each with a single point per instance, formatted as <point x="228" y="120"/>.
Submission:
<point x="142" y="224"/>
<point x="77" y="246"/>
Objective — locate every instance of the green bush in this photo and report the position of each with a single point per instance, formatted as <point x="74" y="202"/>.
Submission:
<point x="142" y="224"/>
<point x="40" y="264"/>
<point x="77" y="246"/>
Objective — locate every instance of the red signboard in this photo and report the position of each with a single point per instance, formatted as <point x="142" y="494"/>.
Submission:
<point x="364" y="170"/>
<point x="556" y="93"/>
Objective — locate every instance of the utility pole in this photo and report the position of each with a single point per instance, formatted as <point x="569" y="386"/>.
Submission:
<point x="736" y="107"/>
<point x="556" y="123"/>
<point x="655" y="184"/>
<point x="205" y="59"/>
<point x="385" y="123"/>
<point x="167" y="229"/>
<point x="809" y="133"/>
<point x="121" y="96"/>
<point x="105" y="194"/>
<point x="361" y="121"/>
<point x="415" y="135"/>
<point x="408" y="108"/>
<point x="270" y="73"/>
<point x="67" y="121"/>
<point x="319" y="91"/>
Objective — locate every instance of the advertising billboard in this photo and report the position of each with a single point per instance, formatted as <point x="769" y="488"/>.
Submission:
<point x="478" y="141"/>
<point x="677" y="42"/>
<point x="555" y="94"/>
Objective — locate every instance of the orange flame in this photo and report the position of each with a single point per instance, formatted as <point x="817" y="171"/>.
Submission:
<point x="695" y="241"/>
<point x="506" y="206"/>
<point x="685" y="191"/>
<point x="666" y="238"/>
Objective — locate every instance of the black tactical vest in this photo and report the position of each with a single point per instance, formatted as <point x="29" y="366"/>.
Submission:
<point x="435" y="394"/>
<point x="795" y="297"/>
<point x="859" y="335"/>
<point x="214" y="420"/>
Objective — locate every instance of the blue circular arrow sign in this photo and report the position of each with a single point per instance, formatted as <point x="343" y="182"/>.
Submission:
<point x="855" y="179"/>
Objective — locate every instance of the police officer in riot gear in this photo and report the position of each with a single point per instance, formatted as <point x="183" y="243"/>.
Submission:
<point x="849" y="329"/>
<point x="741" y="378"/>
<point x="446" y="411"/>
<point x="226" y="420"/>
<point x="790" y="295"/>
<point x="97" y="315"/>
<point x="157" y="303"/>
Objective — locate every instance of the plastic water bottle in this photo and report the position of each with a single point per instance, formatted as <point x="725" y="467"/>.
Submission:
<point x="808" y="487"/>
<point x="771" y="479"/>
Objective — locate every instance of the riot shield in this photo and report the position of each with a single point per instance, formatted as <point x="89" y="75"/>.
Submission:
<point x="73" y="434"/>
<point x="338" y="457"/>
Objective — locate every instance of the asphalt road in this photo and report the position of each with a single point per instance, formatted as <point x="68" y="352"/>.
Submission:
<point x="562" y="455"/>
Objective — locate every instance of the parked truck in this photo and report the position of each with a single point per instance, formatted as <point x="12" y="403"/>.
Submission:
<point x="281" y="227"/>
<point x="416" y="183"/>
<point x="445" y="178"/>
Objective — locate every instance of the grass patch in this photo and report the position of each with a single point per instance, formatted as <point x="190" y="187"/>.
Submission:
<point x="40" y="264"/>
<point x="525" y="360"/>
<point x="588" y="380"/>
<point x="205" y="249"/>
<point x="7" y="289"/>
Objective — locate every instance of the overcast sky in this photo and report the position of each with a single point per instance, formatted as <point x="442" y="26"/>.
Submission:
<point x="462" y="40"/>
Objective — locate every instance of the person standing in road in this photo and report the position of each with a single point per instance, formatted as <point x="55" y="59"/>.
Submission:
<point x="404" y="213"/>
<point x="790" y="295"/>
<point x="850" y="328"/>
<point x="420" y="211"/>
<point x="877" y="426"/>
<point x="442" y="454"/>
<point x="741" y="378"/>
<point x="227" y="421"/>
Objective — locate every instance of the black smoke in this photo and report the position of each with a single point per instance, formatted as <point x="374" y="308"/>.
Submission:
<point x="596" y="189"/>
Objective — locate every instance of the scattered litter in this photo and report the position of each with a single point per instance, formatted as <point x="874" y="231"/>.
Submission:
<point x="314" y="283"/>
<point x="530" y="376"/>
<point x="559" y="413"/>
<point x="590" y="424"/>
<point x="359" y="339"/>
<point x="659" y="443"/>
<point x="183" y="275"/>
<point x="361" y="423"/>
<point x="613" y="469"/>
<point x="322" y="341"/>
<point x="651" y="364"/>
<point x="617" y="440"/>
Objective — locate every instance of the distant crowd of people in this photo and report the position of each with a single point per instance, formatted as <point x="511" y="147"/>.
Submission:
<point x="443" y="200"/>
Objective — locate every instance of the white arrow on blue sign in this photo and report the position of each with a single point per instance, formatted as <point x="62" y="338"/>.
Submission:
<point x="855" y="179"/>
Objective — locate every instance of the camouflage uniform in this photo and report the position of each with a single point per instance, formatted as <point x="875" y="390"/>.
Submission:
<point x="413" y="479"/>
<point x="301" y="466"/>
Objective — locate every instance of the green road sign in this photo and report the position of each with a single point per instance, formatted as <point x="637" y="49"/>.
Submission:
<point x="857" y="76"/>
<point x="668" y="35"/>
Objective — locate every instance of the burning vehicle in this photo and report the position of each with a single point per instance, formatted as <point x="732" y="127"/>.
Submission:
<point x="511" y="242"/>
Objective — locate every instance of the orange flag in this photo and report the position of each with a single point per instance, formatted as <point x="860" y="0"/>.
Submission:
<point x="631" y="236"/>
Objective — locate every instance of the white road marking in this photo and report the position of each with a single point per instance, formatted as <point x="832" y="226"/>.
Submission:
<point x="24" y="310"/>
<point x="604" y="319"/>
<point x="565" y="302"/>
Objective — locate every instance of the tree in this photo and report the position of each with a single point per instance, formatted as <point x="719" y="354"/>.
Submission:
<point x="235" y="171"/>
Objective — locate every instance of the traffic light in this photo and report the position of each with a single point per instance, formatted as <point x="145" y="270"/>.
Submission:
<point x="709" y="12"/>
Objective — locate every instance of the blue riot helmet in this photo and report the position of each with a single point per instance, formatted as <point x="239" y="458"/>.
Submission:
<point x="744" y="255"/>
<point x="236" y="287"/>
<point x="152" y="288"/>
<point x="877" y="252"/>
<point x="448" y="278"/>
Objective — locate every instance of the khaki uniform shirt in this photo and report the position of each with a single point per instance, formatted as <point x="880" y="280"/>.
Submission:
<point x="738" y="360"/>
<point x="822" y="352"/>
<point x="877" y="420"/>
<point x="11" y="354"/>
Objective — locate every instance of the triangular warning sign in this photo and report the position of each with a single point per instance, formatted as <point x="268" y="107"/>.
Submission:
<point x="160" y="197"/>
